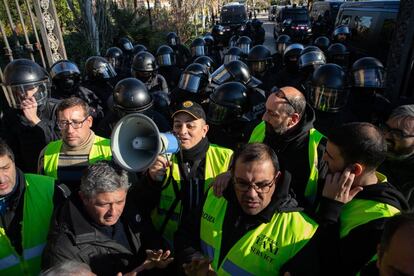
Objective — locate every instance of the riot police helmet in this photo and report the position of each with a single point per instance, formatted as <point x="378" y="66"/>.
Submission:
<point x="341" y="33"/>
<point x="207" y="61"/>
<point x="138" y="48"/>
<point x="165" y="56"/>
<point x="282" y="42"/>
<point x="198" y="47"/>
<point x="328" y="91"/>
<point x="368" y="72"/>
<point x="144" y="66"/>
<point x="227" y="103"/>
<point x="322" y="42"/>
<point x="65" y="76"/>
<point x="194" y="78"/>
<point x="259" y="59"/>
<point x="24" y="78"/>
<point x="338" y="53"/>
<point x="235" y="70"/>
<point x="209" y="43"/>
<point x="311" y="56"/>
<point x="115" y="57"/>
<point x="245" y="44"/>
<point x="98" y="68"/>
<point x="234" y="53"/>
<point x="130" y="96"/>
<point x="172" y="39"/>
<point x="125" y="44"/>
<point x="291" y="55"/>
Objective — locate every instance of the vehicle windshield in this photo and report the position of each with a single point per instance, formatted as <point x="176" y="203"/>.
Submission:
<point x="296" y="15"/>
<point x="233" y="15"/>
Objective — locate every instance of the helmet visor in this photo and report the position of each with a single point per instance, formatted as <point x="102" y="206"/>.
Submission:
<point x="16" y="94"/>
<point x="165" y="60"/>
<point x="312" y="58"/>
<point x="173" y="41"/>
<point x="280" y="47"/>
<point x="245" y="48"/>
<point x="371" y="78"/>
<point x="189" y="82"/>
<point x="115" y="62"/>
<point x="327" y="99"/>
<point x="221" y="75"/>
<point x="197" y="51"/>
<point x="217" y="114"/>
<point x="105" y="71"/>
<point x="128" y="46"/>
<point x="228" y="58"/>
<point x="257" y="66"/>
<point x="64" y="67"/>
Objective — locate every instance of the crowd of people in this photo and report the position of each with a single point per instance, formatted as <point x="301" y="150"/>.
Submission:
<point x="292" y="163"/>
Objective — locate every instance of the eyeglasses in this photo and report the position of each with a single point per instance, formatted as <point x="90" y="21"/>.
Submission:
<point x="280" y="94"/>
<point x="74" y="124"/>
<point x="260" y="189"/>
<point x="394" y="132"/>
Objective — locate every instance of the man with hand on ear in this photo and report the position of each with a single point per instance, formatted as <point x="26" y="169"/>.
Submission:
<point x="355" y="196"/>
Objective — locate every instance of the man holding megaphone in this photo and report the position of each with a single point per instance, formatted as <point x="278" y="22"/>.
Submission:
<point x="173" y="187"/>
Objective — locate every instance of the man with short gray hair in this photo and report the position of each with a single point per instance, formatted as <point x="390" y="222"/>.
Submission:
<point x="103" y="230"/>
<point x="398" y="167"/>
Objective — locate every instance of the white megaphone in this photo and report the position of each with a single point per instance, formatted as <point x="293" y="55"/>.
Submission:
<point x="136" y="142"/>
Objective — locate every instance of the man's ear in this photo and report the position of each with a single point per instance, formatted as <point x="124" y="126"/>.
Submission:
<point x="294" y="120"/>
<point x="358" y="169"/>
<point x="205" y="130"/>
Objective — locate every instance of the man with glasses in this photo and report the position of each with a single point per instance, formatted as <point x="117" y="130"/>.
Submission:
<point x="287" y="127"/>
<point x="65" y="159"/>
<point x="255" y="228"/>
<point x="399" y="163"/>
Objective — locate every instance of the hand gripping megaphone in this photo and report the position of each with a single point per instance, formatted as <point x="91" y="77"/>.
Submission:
<point x="136" y="142"/>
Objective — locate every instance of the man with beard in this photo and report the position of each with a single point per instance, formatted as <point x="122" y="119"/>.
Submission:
<point x="287" y="127"/>
<point x="399" y="164"/>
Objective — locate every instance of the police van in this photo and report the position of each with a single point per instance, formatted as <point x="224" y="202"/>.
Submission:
<point x="233" y="17"/>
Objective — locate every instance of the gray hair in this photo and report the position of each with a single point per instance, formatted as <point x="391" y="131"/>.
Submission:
<point x="69" y="268"/>
<point x="103" y="177"/>
<point x="405" y="115"/>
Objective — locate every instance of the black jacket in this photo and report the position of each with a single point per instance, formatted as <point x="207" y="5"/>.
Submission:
<point x="293" y="153"/>
<point x="171" y="74"/>
<point x="74" y="237"/>
<point x="357" y="248"/>
<point x="27" y="141"/>
<point x="308" y="261"/>
<point x="401" y="174"/>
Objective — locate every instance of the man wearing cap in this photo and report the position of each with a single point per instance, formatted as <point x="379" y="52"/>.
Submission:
<point x="174" y="186"/>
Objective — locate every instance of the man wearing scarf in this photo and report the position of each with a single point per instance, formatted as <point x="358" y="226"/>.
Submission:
<point x="174" y="186"/>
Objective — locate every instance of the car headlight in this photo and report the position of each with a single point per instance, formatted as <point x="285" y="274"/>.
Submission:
<point x="309" y="30"/>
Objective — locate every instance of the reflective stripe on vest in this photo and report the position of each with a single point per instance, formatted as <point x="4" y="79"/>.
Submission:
<point x="217" y="162"/>
<point x="258" y="135"/>
<point x="100" y="150"/>
<point x="261" y="251"/>
<point x="37" y="212"/>
<point x="361" y="211"/>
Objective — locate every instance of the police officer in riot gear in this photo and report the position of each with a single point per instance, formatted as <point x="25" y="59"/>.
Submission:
<point x="100" y="77"/>
<point x="366" y="101"/>
<point x="211" y="50"/>
<point x="239" y="71"/>
<point x="328" y="94"/>
<point x="119" y="62"/>
<point x="126" y="46"/>
<point x="259" y="32"/>
<point x="259" y="61"/>
<point x="30" y="122"/>
<point x="234" y="53"/>
<point x="245" y="44"/>
<point x="230" y="115"/>
<point x="193" y="86"/>
<point x="166" y="60"/>
<point x="338" y="53"/>
<point x="145" y="68"/>
<point x="282" y="42"/>
<point x="198" y="48"/>
<point x="182" y="53"/>
<point x="310" y="59"/>
<point x="131" y="96"/>
<point x="66" y="83"/>
<point x="289" y="74"/>
<point x="207" y="61"/>
<point x="341" y="34"/>
<point x="322" y="42"/>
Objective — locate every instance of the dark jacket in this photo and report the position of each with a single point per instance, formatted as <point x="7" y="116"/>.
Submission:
<point x="27" y="141"/>
<point x="357" y="248"/>
<point x="107" y="250"/>
<point x="236" y="224"/>
<point x="293" y="152"/>
<point x="171" y="74"/>
<point x="401" y="174"/>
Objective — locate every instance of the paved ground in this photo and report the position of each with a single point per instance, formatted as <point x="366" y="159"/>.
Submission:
<point x="268" y="26"/>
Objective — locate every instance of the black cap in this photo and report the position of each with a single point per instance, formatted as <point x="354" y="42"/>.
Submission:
<point x="191" y="108"/>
